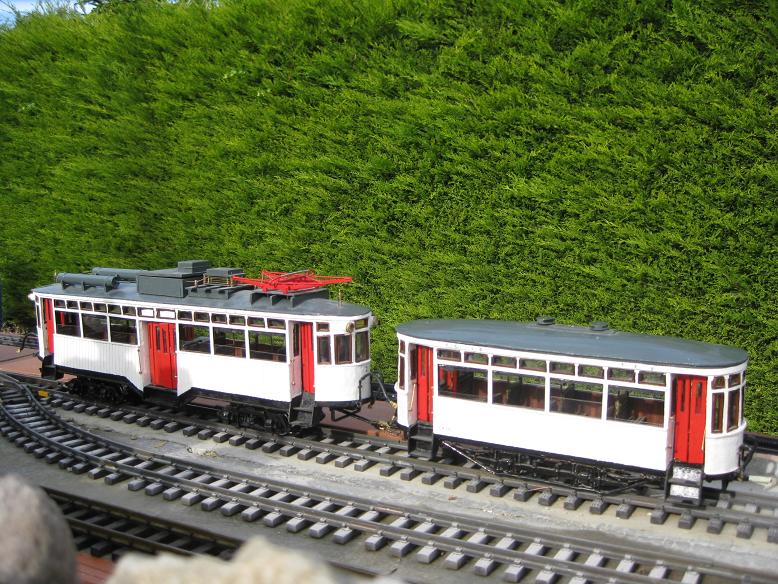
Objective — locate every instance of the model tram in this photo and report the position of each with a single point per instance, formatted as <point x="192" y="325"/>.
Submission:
<point x="277" y="349"/>
<point x="590" y="406"/>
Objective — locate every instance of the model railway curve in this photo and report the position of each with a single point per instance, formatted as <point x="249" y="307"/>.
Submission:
<point x="485" y="546"/>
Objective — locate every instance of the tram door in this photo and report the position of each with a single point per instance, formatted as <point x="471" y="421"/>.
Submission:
<point x="48" y="324"/>
<point x="302" y="357"/>
<point x="424" y="378"/>
<point x="162" y="354"/>
<point x="690" y="396"/>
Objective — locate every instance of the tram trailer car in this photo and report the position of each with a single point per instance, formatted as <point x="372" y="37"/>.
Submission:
<point x="591" y="403"/>
<point x="277" y="350"/>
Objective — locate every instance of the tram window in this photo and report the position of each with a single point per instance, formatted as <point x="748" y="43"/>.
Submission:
<point x="162" y="313"/>
<point x="68" y="323"/>
<point x="640" y="406"/>
<point x="276" y="323"/>
<point x="361" y="347"/>
<point x="447" y="355"/>
<point x="202" y="317"/>
<point x="184" y="315"/>
<point x="524" y="391"/>
<point x="463" y="383"/>
<point x="576" y="397"/>
<point x="219" y="318"/>
<point x="652" y="378"/>
<point x="229" y="342"/>
<point x="342" y="349"/>
<point x="360" y="324"/>
<point x="59" y="304"/>
<point x="503" y="361"/>
<point x="733" y="411"/>
<point x="323" y="348"/>
<point x="114" y="309"/>
<point x="124" y="330"/>
<point x="717" y="425"/>
<point x="194" y="338"/>
<point x="238" y="320"/>
<point x="734" y="379"/>
<point x="591" y="371"/>
<point x="532" y="364"/>
<point x="95" y="327"/>
<point x="267" y="346"/>
<point x="402" y="346"/>
<point x="621" y="374"/>
<point x="86" y="305"/>
<point x="562" y="368"/>
<point x="719" y="383"/>
<point x="477" y="358"/>
<point x="100" y="307"/>
<point x="401" y="372"/>
<point x="323" y="327"/>
<point x="256" y="321"/>
<point x="72" y="304"/>
<point x="128" y="310"/>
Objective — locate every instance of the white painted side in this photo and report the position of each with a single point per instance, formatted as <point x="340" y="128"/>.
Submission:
<point x="249" y="377"/>
<point x="340" y="383"/>
<point x="99" y="356"/>
<point x="722" y="450"/>
<point x="622" y="443"/>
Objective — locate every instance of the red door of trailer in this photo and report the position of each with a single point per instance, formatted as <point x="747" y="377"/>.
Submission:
<point x="306" y="355"/>
<point x="424" y="376"/>
<point x="162" y="354"/>
<point x="48" y="323"/>
<point x="690" y="395"/>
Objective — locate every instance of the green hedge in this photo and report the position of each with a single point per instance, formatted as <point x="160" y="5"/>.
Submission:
<point x="458" y="159"/>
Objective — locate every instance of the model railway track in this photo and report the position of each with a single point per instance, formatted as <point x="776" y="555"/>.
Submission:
<point x="105" y="529"/>
<point x="26" y="341"/>
<point x="486" y="547"/>
<point x="746" y="512"/>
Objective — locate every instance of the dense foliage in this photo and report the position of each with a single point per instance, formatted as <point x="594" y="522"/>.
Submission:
<point x="497" y="159"/>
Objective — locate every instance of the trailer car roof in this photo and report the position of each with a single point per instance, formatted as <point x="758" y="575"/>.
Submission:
<point x="577" y="342"/>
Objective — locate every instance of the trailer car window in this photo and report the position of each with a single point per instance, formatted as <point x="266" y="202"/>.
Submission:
<point x="640" y="406"/>
<point x="502" y="361"/>
<point x="576" y="397"/>
<point x="129" y="310"/>
<point x="718" y="383"/>
<point x="256" y="321"/>
<point x="229" y="342"/>
<point x="267" y="346"/>
<point x="621" y="374"/>
<point x="401" y="373"/>
<point x="591" y="371"/>
<point x="652" y="378"/>
<point x="86" y="306"/>
<point x="361" y="347"/>
<point x="562" y="368"/>
<point x="532" y="364"/>
<point x="447" y="355"/>
<point x="342" y="349"/>
<point x="522" y="391"/>
<point x="68" y="323"/>
<point x="238" y="320"/>
<point x="733" y="411"/>
<point x="477" y="358"/>
<point x="462" y="383"/>
<point x="276" y="323"/>
<point x="114" y="309"/>
<point x="194" y="338"/>
<point x="95" y="327"/>
<point x="717" y="424"/>
<point x="202" y="317"/>
<point x="124" y="330"/>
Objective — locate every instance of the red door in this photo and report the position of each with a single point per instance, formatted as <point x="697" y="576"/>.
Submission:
<point x="162" y="354"/>
<point x="424" y="376"/>
<point x="48" y="323"/>
<point x="306" y="355"/>
<point x="690" y="396"/>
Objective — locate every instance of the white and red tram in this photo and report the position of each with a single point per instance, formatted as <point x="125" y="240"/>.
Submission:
<point x="278" y="349"/>
<point x="666" y="405"/>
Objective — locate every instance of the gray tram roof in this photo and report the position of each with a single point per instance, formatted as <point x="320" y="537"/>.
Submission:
<point x="292" y="304"/>
<point x="576" y="341"/>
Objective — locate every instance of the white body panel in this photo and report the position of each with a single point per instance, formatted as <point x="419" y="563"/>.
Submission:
<point x="249" y="377"/>
<point x="99" y="356"/>
<point x="722" y="452"/>
<point x="340" y="383"/>
<point x="568" y="435"/>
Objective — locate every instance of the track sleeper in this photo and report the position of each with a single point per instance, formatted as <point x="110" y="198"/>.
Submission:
<point x="455" y="560"/>
<point x="515" y="572"/>
<point x="484" y="566"/>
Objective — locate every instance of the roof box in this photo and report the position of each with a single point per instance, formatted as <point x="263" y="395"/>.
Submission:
<point x="172" y="283"/>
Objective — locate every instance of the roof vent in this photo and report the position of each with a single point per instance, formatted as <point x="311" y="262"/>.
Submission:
<point x="599" y="326"/>
<point x="545" y="320"/>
